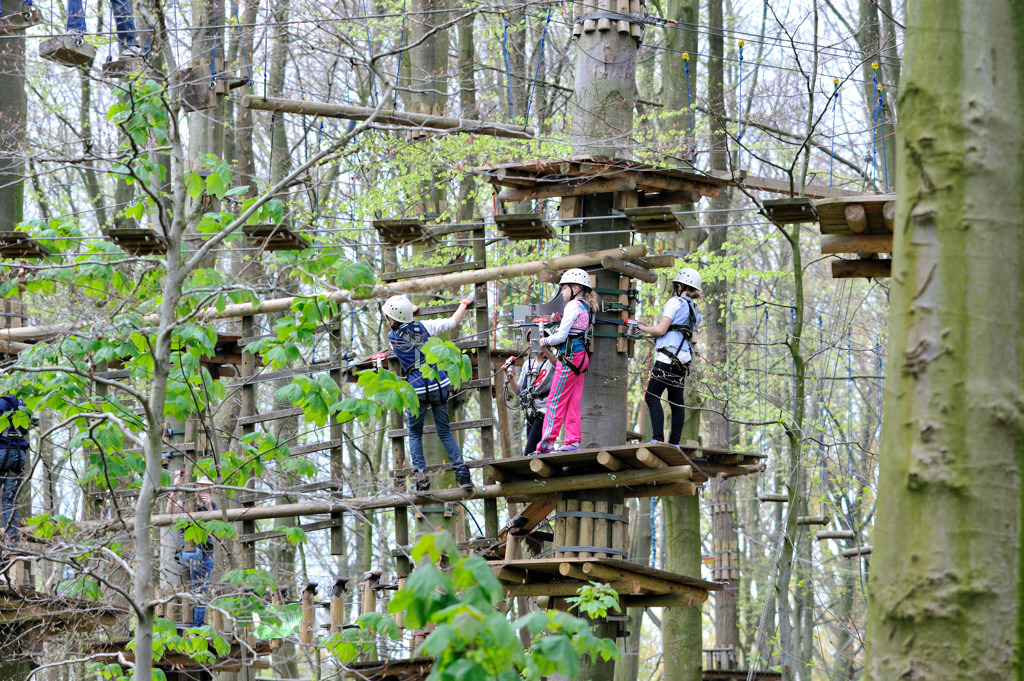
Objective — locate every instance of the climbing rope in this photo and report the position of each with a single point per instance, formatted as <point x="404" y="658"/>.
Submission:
<point x="739" y="110"/>
<point x="689" y="111"/>
<point x="536" y="72"/>
<point x="508" y="72"/>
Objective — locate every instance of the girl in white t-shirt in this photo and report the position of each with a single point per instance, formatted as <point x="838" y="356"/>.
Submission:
<point x="674" y="351"/>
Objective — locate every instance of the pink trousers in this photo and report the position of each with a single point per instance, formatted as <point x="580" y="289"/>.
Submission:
<point x="563" y="406"/>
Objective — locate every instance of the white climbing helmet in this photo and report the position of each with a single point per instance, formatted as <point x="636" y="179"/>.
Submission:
<point x="688" y="277"/>
<point x="398" y="308"/>
<point x="575" y="276"/>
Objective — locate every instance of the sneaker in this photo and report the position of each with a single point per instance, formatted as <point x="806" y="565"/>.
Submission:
<point x="544" y="450"/>
<point x="421" y="483"/>
<point x="569" y="447"/>
<point x="463" y="478"/>
<point x="655" y="442"/>
<point x="132" y="52"/>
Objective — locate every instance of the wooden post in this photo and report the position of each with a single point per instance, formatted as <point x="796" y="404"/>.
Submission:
<point x="483" y="370"/>
<point x="337" y="453"/>
<point x="572" y="528"/>
<point x="371" y="580"/>
<point x="601" y="536"/>
<point x="586" y="528"/>
<point x="248" y="408"/>
<point x="307" y="623"/>
<point x="338" y="614"/>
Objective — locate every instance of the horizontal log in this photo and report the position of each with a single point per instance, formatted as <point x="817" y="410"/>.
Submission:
<point x="610" y="462"/>
<point x="441" y="281"/>
<point x="860" y="269"/>
<point x="813" y="520"/>
<point x="629" y="269"/>
<point x="835" y="534"/>
<point x="859" y="551"/>
<point x="518" y="488"/>
<point x="599" y="572"/>
<point x="676" y="489"/>
<point x="575" y="188"/>
<point x="856" y="243"/>
<point x="403" y="118"/>
<point x="773" y="498"/>
<point x="656" y="262"/>
<point x="649" y="458"/>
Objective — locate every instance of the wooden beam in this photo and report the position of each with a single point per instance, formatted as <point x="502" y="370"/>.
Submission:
<point x="629" y="269"/>
<point x="442" y="281"/>
<point x="889" y="214"/>
<point x="515" y="488"/>
<point x="599" y="572"/>
<point x="574" y="188"/>
<point x="403" y="118"/>
<point x="610" y="462"/>
<point x="857" y="243"/>
<point x="814" y="191"/>
<point x="861" y="269"/>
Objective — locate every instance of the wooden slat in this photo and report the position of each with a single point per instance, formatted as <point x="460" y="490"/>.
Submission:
<point x="858" y="243"/>
<point x="270" y="416"/>
<point x="429" y="271"/>
<point x="457" y="425"/>
<point x="286" y="373"/>
<point x="861" y="269"/>
<point x="274" y="534"/>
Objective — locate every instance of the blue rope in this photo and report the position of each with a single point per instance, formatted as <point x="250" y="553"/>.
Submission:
<point x="508" y="70"/>
<point x="401" y="41"/>
<point x="835" y="104"/>
<point x="245" y="56"/>
<point x="689" y="111"/>
<point x="881" y="121"/>
<point x="216" y="40"/>
<point x="739" y="110"/>
<point x="536" y="73"/>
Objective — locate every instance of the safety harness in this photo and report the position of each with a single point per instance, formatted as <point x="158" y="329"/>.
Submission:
<point x="534" y="387"/>
<point x="406" y="342"/>
<point x="686" y="330"/>
<point x="565" y="353"/>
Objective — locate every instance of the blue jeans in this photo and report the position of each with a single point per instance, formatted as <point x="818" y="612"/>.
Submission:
<point x="438" y="405"/>
<point x="123" y="19"/>
<point x="200" y="568"/>
<point x="12" y="472"/>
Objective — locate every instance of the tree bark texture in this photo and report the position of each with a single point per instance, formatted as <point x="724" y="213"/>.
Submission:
<point x="13" y="108"/>
<point x="605" y="93"/>
<point x="945" y="583"/>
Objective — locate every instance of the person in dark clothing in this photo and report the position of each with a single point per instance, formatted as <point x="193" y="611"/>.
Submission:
<point x="13" y="459"/>
<point x="196" y="557"/>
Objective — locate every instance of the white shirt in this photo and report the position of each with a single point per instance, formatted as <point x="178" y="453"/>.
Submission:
<point x="678" y="310"/>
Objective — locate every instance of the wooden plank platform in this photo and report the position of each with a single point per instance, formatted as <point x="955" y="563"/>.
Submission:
<point x="401" y="231"/>
<point x="622" y="457"/>
<point x="523" y="226"/>
<point x="790" y="211"/>
<point x="651" y="219"/>
<point x="24" y="18"/>
<point x="66" y="51"/>
<point x="390" y="670"/>
<point x="768" y="184"/>
<point x="18" y="245"/>
<point x="575" y="176"/>
<point x="430" y="271"/>
<point x="739" y="675"/>
<point x="123" y="67"/>
<point x="25" y="605"/>
<point x="868" y="214"/>
<point x="138" y="240"/>
<point x="454" y="425"/>
<point x="564" y="576"/>
<point x="862" y="268"/>
<point x="275" y="238"/>
<point x="251" y="655"/>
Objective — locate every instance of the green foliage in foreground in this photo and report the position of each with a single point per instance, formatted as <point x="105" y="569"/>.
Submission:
<point x="472" y="638"/>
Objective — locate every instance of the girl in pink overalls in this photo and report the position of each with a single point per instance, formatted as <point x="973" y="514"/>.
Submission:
<point x="569" y="343"/>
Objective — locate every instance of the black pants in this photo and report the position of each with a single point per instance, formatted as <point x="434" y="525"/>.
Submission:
<point x="666" y="377"/>
<point x="534" y="431"/>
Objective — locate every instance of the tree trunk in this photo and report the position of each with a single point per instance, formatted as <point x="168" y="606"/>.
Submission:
<point x="945" y="583"/>
<point x="13" y="108"/>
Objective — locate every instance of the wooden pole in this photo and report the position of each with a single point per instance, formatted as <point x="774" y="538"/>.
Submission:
<point x="307" y="620"/>
<point x="516" y="488"/>
<point x="629" y="269"/>
<point x="387" y="117"/>
<point x="338" y="605"/>
<point x="421" y="285"/>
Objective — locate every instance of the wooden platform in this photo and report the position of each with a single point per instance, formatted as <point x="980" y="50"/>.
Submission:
<point x="18" y="245"/>
<point x="790" y="211"/>
<point x="252" y="655"/>
<point x="390" y="670"/>
<point x="138" y="240"/>
<point x="704" y="462"/>
<point x="575" y="176"/>
<point x="860" y="226"/>
<point x="66" y="51"/>
<point x="123" y="67"/>
<point x="401" y="231"/>
<point x="523" y="226"/>
<point x="650" y="219"/>
<point x="638" y="585"/>
<point x="275" y="238"/>
<point x="25" y="605"/>
<point x="20" y="20"/>
<point x="738" y="675"/>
